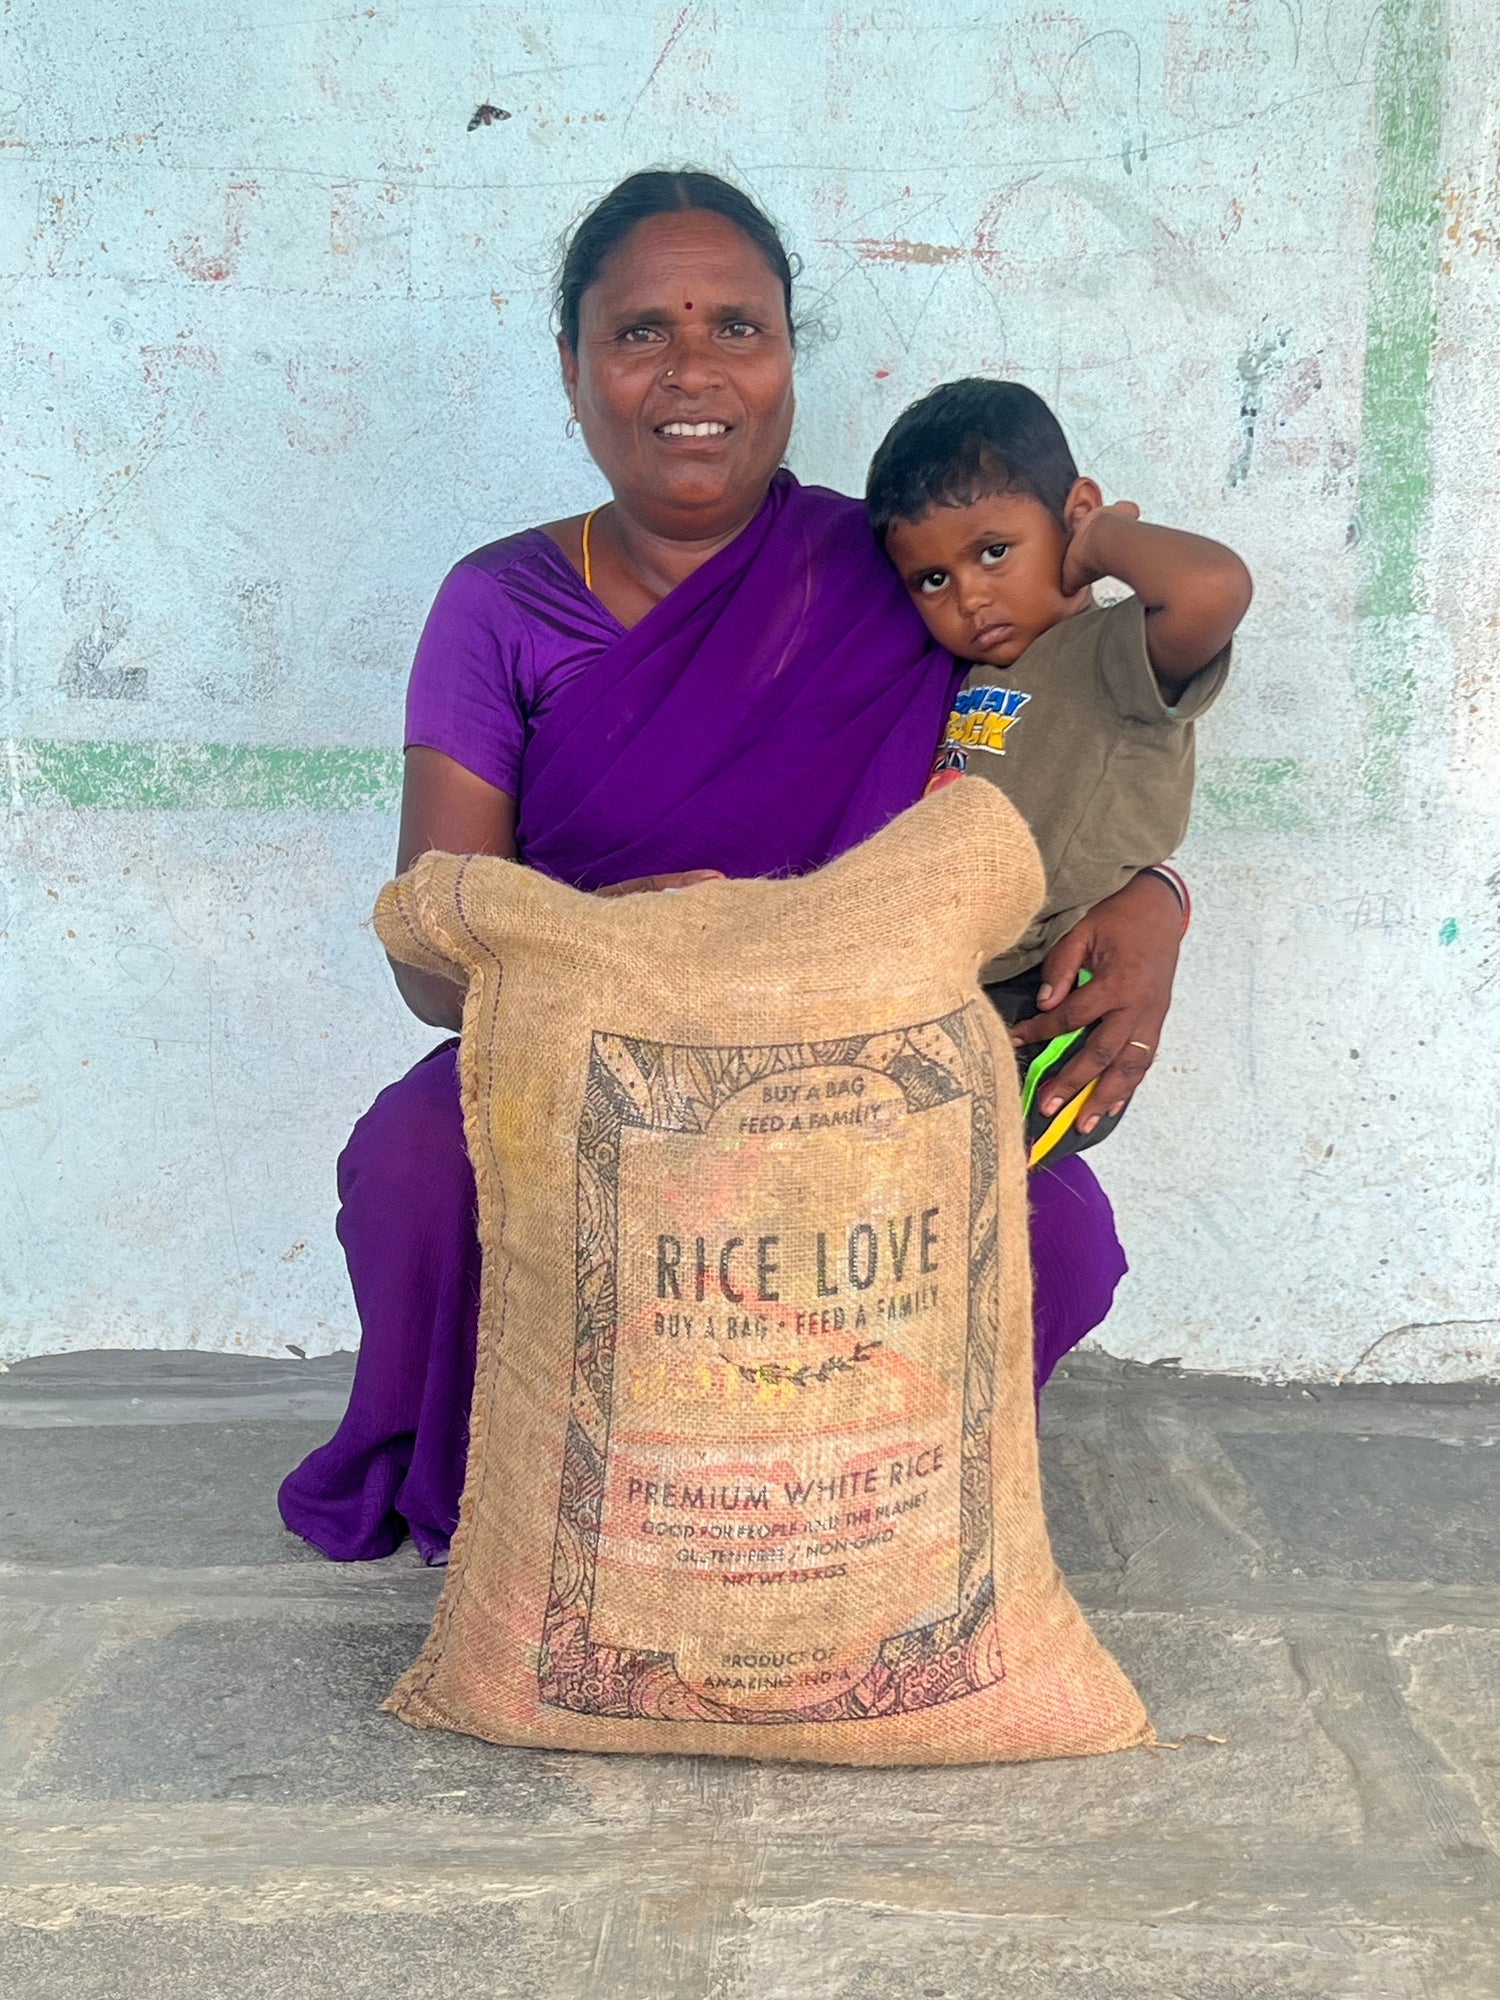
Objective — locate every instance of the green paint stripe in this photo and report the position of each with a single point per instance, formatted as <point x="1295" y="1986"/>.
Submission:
<point x="1405" y="255"/>
<point x="202" y="777"/>
<point x="1235" y="794"/>
<point x="1257" y="795"/>
<point x="1395" y="452"/>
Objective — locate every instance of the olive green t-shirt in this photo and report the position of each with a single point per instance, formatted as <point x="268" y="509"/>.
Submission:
<point x="1077" y="736"/>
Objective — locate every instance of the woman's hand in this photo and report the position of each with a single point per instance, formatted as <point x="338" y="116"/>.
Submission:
<point x="1128" y="944"/>
<point x="640" y="884"/>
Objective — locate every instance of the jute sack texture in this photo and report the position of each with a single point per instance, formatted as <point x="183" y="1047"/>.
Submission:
<point x="753" y="1465"/>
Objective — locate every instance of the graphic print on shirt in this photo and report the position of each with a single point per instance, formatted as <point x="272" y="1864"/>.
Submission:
<point x="980" y="719"/>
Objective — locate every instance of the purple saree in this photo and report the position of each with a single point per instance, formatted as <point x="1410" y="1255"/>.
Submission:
<point x="775" y="709"/>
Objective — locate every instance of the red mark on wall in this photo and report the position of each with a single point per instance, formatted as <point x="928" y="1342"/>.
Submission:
<point x="327" y="415"/>
<point x="700" y="59"/>
<point x="64" y="225"/>
<point x="669" y="44"/>
<point x="362" y="227"/>
<point x="180" y="377"/>
<point x="161" y="363"/>
<point x="207" y="266"/>
<point x="990" y="249"/>
<point x="1213" y="58"/>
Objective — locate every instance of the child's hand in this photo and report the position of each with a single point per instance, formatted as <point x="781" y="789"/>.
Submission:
<point x="1079" y="571"/>
<point x="1195" y="592"/>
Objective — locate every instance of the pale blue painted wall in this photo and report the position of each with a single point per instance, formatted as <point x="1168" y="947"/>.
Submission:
<point x="277" y="352"/>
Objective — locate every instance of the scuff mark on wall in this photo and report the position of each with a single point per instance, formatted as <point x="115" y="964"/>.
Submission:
<point x="1256" y="365"/>
<point x="255" y="610"/>
<point x="1471" y="208"/>
<point x="93" y="669"/>
<point x="887" y="250"/>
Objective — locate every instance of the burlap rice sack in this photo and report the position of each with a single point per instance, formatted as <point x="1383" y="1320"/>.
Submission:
<point x="753" y="1462"/>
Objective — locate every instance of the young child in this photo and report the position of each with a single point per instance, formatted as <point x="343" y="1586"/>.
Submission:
<point x="1081" y="713"/>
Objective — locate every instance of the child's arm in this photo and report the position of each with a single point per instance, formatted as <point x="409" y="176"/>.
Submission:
<point x="1195" y="591"/>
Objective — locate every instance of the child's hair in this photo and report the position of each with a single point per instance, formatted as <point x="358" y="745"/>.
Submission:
<point x="964" y="440"/>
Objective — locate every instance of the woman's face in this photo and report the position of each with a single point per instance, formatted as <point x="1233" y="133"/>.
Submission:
<point x="682" y="380"/>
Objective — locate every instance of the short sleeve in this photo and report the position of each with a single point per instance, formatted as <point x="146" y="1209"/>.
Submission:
<point x="464" y="695"/>
<point x="1125" y="668"/>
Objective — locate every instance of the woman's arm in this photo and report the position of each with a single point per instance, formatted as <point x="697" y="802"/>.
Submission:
<point x="1129" y="945"/>
<point x="446" y="810"/>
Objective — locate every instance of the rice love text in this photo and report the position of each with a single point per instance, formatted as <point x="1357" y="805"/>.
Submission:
<point x="857" y="1255"/>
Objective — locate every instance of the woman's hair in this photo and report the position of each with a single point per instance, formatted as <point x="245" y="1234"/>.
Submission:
<point x="660" y="191"/>
<point x="963" y="441"/>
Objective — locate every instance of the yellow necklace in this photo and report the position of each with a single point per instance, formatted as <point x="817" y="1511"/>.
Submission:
<point x="588" y="566"/>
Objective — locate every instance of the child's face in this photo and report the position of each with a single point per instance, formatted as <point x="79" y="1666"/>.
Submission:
<point x="987" y="579"/>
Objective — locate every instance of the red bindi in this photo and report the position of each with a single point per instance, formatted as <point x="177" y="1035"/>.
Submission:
<point x="687" y="305"/>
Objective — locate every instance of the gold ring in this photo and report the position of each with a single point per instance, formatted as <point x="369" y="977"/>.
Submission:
<point x="1141" y="1045"/>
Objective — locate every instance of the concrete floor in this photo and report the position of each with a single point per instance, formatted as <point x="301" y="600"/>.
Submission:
<point x="199" y="1798"/>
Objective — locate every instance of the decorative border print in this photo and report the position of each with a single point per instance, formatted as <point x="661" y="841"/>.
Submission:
<point x="674" y="1088"/>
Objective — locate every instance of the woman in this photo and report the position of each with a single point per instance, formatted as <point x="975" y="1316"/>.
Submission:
<point x="714" y="673"/>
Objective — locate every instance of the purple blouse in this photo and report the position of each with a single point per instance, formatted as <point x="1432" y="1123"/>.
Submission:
<point x="776" y="708"/>
<point x="511" y="626"/>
